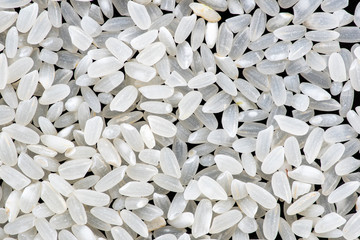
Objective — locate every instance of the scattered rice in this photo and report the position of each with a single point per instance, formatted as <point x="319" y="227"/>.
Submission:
<point x="171" y="120"/>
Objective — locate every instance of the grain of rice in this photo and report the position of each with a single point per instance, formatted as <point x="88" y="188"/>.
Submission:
<point x="302" y="203"/>
<point x="302" y="228"/>
<point x="261" y="196"/>
<point x="271" y="223"/>
<point x="292" y="125"/>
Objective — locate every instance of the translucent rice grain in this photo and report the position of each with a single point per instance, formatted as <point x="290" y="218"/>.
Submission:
<point x="4" y="71"/>
<point x="169" y="164"/>
<point x="249" y="164"/>
<point x="249" y="59"/>
<point x="300" y="102"/>
<point x="210" y="188"/>
<point x="271" y="67"/>
<point x="300" y="48"/>
<point x="302" y="227"/>
<point x="29" y="167"/>
<point x="124" y="99"/>
<point x="185" y="27"/>
<point x="277" y="89"/>
<point x="263" y="143"/>
<point x="136" y="189"/>
<point x="202" y="80"/>
<point x="60" y="185"/>
<point x="322" y="35"/>
<point x="346" y="166"/>
<point x="343" y="191"/>
<point x="119" y="233"/>
<point x="54" y="94"/>
<point x="90" y="26"/>
<point x="92" y="198"/>
<point x="168" y="183"/>
<point x="281" y="187"/>
<point x="354" y="76"/>
<point x="45" y="230"/>
<point x="337" y="67"/>
<point x="332" y="6"/>
<point x="280" y="20"/>
<point x="151" y="54"/>
<point x="139" y="71"/>
<point x="56" y="143"/>
<point x="11" y="42"/>
<point x="20" y="225"/>
<point x="202" y="218"/>
<point x="139" y="15"/>
<point x="134" y="222"/>
<point x="161" y="126"/>
<point x="184" y="55"/>
<point x="13" y="4"/>
<point x="303" y="9"/>
<point x="331" y="156"/>
<point x="188" y="104"/>
<point x="315" y="92"/>
<point x="104" y="66"/>
<point x="273" y="161"/>
<point x="166" y="38"/>
<point x="53" y="200"/>
<point x="292" y="125"/>
<point x="313" y="144"/>
<point x="290" y="33"/>
<point x="257" y="24"/>
<point x="22" y="134"/>
<point x="19" y="68"/>
<point x="224" y="40"/>
<point x="321" y="21"/>
<point x="326" y="120"/>
<point x="302" y="203"/>
<point x="307" y="174"/>
<point x="147" y="136"/>
<point x="205" y="12"/>
<point x="240" y="43"/>
<point x="329" y="222"/>
<point x="339" y="133"/>
<point x="7" y="19"/>
<point x="227" y="163"/>
<point x="261" y="196"/>
<point x="248" y="90"/>
<point x="40" y="29"/>
<point x="79" y="38"/>
<point x="107" y="215"/>
<point x="13" y="178"/>
<point x="350" y="231"/>
<point x="225" y="221"/>
<point x="76" y="210"/>
<point x="74" y="169"/>
<point x="82" y="232"/>
<point x="7" y="114"/>
<point x="271" y="223"/>
<point x="93" y="129"/>
<point x="110" y="179"/>
<point x="55" y="15"/>
<point x="278" y="51"/>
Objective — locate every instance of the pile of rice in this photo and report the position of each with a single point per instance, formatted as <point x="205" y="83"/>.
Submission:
<point x="179" y="120"/>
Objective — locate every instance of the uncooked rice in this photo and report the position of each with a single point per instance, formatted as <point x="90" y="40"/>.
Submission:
<point x="179" y="120"/>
